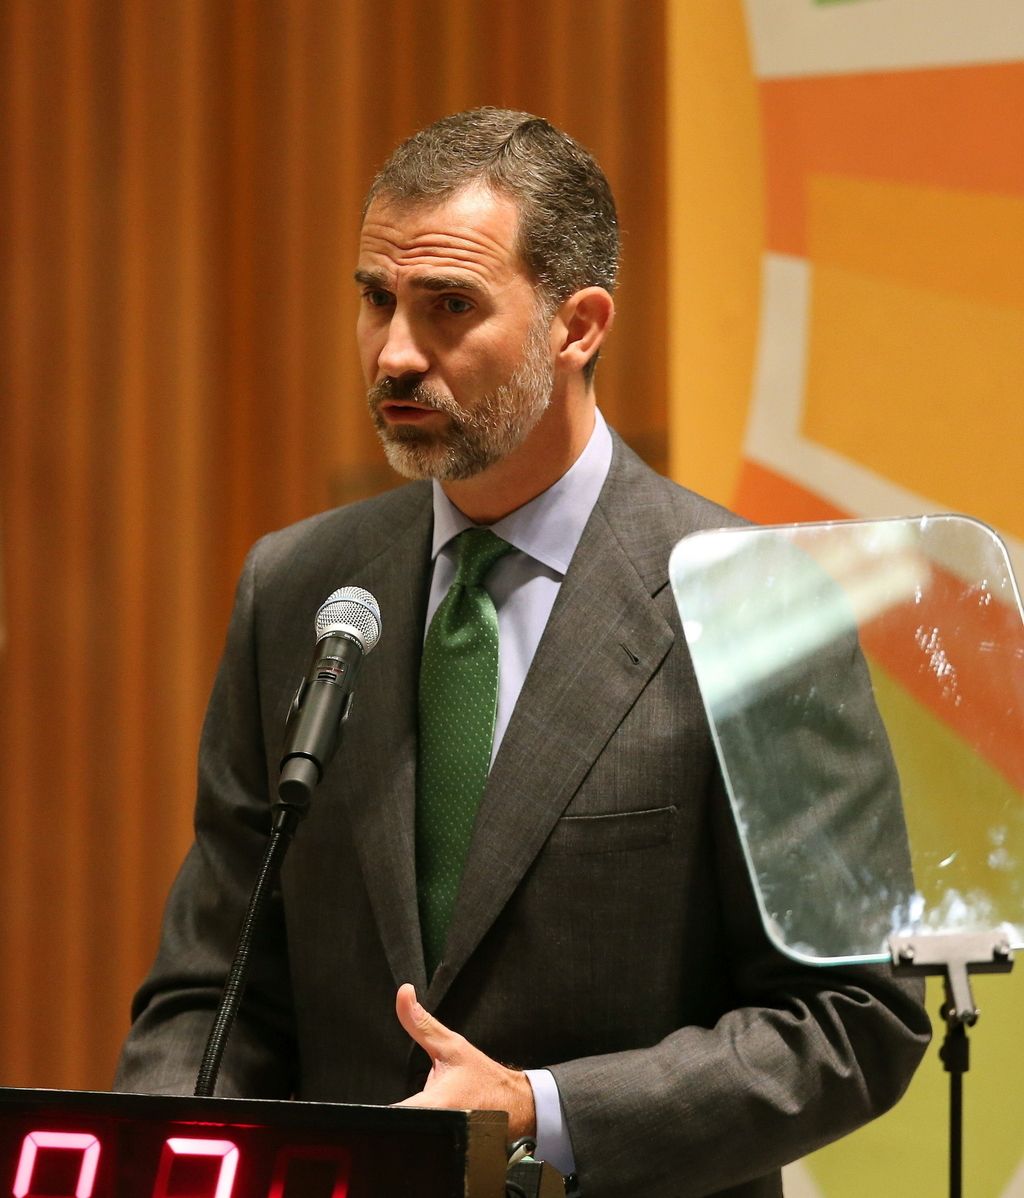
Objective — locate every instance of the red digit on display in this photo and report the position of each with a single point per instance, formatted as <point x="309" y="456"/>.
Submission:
<point x="178" y="1147"/>
<point x="287" y="1156"/>
<point x="64" y="1141"/>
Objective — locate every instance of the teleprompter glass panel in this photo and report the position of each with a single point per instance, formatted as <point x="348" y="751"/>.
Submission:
<point x="864" y="681"/>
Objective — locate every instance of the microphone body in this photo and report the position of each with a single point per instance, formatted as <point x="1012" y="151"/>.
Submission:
<point x="347" y="626"/>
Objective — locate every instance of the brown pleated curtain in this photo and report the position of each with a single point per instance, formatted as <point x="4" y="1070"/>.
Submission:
<point x="180" y="200"/>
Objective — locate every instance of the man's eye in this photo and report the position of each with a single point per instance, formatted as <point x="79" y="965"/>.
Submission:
<point x="377" y="299"/>
<point x="456" y="305"/>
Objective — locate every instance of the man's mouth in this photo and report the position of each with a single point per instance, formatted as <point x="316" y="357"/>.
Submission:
<point x="398" y="411"/>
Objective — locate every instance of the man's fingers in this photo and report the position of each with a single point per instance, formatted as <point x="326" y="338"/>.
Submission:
<point x="432" y="1036"/>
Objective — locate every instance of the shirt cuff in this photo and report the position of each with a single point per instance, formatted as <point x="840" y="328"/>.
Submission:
<point x="553" y="1142"/>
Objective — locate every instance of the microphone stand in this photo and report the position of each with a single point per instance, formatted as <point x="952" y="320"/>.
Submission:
<point x="287" y="815"/>
<point x="347" y="626"/>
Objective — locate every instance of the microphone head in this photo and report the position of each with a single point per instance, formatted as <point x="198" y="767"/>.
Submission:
<point x="352" y="612"/>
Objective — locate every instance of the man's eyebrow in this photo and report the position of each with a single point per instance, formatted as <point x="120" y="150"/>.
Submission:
<point x="371" y="278"/>
<point x="377" y="278"/>
<point x="446" y="283"/>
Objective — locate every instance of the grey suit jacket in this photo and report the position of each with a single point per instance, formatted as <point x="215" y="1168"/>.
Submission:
<point x="605" y="926"/>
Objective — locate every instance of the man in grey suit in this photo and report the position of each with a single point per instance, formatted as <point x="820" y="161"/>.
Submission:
<point x="603" y="935"/>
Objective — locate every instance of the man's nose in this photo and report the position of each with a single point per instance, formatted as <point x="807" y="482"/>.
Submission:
<point x="402" y="353"/>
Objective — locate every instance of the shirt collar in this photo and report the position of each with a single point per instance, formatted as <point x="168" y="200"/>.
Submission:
<point x="549" y="527"/>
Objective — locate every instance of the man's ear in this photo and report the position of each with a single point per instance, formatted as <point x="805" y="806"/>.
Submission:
<point x="584" y="320"/>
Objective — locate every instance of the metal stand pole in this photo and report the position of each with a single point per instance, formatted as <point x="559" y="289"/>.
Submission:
<point x="955" y="1056"/>
<point x="954" y="956"/>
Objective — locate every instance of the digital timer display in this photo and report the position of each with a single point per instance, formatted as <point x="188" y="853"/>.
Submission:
<point x="68" y="1144"/>
<point x="67" y="1164"/>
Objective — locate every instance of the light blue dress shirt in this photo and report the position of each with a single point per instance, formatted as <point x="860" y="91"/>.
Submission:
<point x="524" y="586"/>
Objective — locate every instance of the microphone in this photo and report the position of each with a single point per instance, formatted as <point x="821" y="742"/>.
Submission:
<point x="347" y="627"/>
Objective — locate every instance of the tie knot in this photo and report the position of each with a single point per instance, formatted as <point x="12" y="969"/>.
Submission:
<point x="476" y="550"/>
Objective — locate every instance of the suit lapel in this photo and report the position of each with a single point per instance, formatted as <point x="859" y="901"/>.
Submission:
<point x="603" y="642"/>
<point x="380" y="786"/>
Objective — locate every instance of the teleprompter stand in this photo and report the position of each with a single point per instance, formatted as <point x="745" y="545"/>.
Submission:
<point x="953" y="957"/>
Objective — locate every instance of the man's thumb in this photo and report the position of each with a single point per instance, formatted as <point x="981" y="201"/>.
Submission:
<point x="430" y="1034"/>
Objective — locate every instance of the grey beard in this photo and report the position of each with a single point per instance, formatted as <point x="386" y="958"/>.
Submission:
<point x="475" y="439"/>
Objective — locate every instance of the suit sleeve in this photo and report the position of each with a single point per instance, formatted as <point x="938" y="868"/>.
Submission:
<point x="805" y="1054"/>
<point x="810" y="1055"/>
<point x="173" y="1009"/>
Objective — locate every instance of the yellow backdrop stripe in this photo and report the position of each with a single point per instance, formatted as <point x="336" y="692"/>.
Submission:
<point x="714" y="167"/>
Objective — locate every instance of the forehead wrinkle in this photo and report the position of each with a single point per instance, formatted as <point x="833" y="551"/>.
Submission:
<point x="469" y="248"/>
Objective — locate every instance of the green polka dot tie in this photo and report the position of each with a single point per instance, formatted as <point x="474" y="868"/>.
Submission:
<point x="458" y="698"/>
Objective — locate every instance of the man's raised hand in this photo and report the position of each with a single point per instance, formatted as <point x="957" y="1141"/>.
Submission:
<point x="461" y="1076"/>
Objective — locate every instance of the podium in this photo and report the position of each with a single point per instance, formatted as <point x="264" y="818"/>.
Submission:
<point x="78" y="1144"/>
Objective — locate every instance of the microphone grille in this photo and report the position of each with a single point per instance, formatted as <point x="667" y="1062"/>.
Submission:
<point x="352" y="611"/>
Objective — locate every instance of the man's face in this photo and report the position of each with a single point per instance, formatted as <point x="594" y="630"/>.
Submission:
<point x="453" y="339"/>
